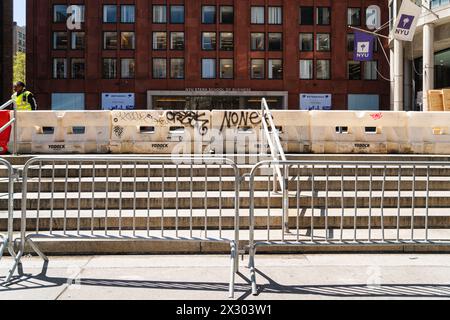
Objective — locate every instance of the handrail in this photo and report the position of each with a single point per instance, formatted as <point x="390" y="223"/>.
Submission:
<point x="10" y="123"/>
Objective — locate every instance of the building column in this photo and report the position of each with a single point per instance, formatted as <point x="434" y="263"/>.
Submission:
<point x="428" y="62"/>
<point x="398" y="75"/>
<point x="407" y="85"/>
<point x="391" y="71"/>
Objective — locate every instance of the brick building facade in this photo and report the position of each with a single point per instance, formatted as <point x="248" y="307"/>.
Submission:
<point x="6" y="52"/>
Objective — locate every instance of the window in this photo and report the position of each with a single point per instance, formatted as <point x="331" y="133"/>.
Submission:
<point x="208" y="68"/>
<point x="226" y="69"/>
<point x="60" y="68"/>
<point x="306" y="69"/>
<point x="363" y="102"/>
<point x="127" y="14"/>
<point x="78" y="11"/>
<point x="275" y="41"/>
<point x="208" y="14"/>
<point x="59" y="13"/>
<point x="275" y="15"/>
<point x="159" y="41"/>
<point x="227" y="14"/>
<point x="110" y="40"/>
<point x="127" y="41"/>
<point x="68" y="101"/>
<point x="159" y="14"/>
<point x="257" y="69"/>
<point x="226" y="41"/>
<point x="323" y="71"/>
<point x="177" y="14"/>
<point x="323" y="42"/>
<point x="306" y="16"/>
<point x="354" y="16"/>
<point x="177" y="68"/>
<point x="127" y="68"/>
<point x="354" y="70"/>
<point x="275" y="69"/>
<point x="109" y="68"/>
<point x="109" y="13"/>
<point x="60" y="40"/>
<point x="78" y="42"/>
<point x="177" y="41"/>
<point x="257" y="41"/>
<point x="323" y="16"/>
<point x="370" y="70"/>
<point x="306" y="42"/>
<point x="351" y="42"/>
<point x="159" y="68"/>
<point x="77" y="68"/>
<point x="209" y="41"/>
<point x="257" y="15"/>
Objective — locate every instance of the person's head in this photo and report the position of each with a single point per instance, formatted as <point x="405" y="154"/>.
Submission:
<point x="19" y="86"/>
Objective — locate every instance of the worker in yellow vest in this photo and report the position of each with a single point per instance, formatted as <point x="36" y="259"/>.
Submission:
<point x="23" y="99"/>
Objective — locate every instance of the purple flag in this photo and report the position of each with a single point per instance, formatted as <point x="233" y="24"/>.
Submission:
<point x="364" y="43"/>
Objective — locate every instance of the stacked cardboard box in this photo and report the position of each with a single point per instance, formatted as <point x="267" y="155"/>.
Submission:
<point x="435" y="100"/>
<point x="446" y="99"/>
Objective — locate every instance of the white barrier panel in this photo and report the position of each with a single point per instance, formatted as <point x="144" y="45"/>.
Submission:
<point x="63" y="132"/>
<point x="359" y="132"/>
<point x="429" y="132"/>
<point x="159" y="132"/>
<point x="294" y="130"/>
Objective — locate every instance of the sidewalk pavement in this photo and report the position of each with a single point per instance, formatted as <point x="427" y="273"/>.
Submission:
<point x="309" y="276"/>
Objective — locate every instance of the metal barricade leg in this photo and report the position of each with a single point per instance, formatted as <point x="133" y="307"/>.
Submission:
<point x="233" y="269"/>
<point x="252" y="252"/>
<point x="3" y="245"/>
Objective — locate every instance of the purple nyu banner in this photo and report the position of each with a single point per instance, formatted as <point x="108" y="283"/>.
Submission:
<point x="364" y="43"/>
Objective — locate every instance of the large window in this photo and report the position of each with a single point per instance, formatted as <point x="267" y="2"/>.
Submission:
<point x="275" y="41"/>
<point x="370" y="70"/>
<point x="209" y="41"/>
<point x="257" y="15"/>
<point x="159" y="14"/>
<point x="177" y="14"/>
<point x="177" y="41"/>
<point x="350" y="42"/>
<point x="60" y="68"/>
<point x="208" y="14"/>
<point x="159" y="41"/>
<point x="257" y="69"/>
<point x="109" y="68"/>
<point x="127" y="41"/>
<point x="127" y="14"/>
<point x="77" y="68"/>
<point x="323" y="71"/>
<point x="227" y="14"/>
<point x="159" y="68"/>
<point x="68" y="101"/>
<point x="226" y="68"/>
<point x="226" y="41"/>
<point x="275" y="15"/>
<point x="323" y="42"/>
<point x="110" y="13"/>
<point x="354" y="70"/>
<point x="306" y="42"/>
<point x="78" y="11"/>
<point x="110" y="40"/>
<point x="275" y="69"/>
<point x="323" y="15"/>
<point x="306" y="16"/>
<point x="177" y="68"/>
<point x="78" y="41"/>
<point x="208" y="68"/>
<point x="127" y="68"/>
<point x="354" y="16"/>
<point x="257" y="41"/>
<point x="59" y="13"/>
<point x="60" y="41"/>
<point x="306" y="69"/>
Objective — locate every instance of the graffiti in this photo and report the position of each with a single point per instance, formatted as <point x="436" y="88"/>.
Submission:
<point x="376" y="116"/>
<point x="118" y="131"/>
<point x="189" y="118"/>
<point x="243" y="118"/>
<point x="138" y="116"/>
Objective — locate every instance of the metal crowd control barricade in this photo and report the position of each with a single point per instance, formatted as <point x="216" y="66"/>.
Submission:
<point x="129" y="198"/>
<point x="6" y="241"/>
<point x="329" y="203"/>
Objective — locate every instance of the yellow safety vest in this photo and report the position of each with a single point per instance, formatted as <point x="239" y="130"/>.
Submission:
<point x="21" y="101"/>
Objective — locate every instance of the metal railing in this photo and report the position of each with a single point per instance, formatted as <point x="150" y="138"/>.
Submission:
<point x="6" y="242"/>
<point x="10" y="123"/>
<point x="130" y="198"/>
<point x="351" y="203"/>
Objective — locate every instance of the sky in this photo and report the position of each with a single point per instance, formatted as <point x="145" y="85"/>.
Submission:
<point x="19" y="12"/>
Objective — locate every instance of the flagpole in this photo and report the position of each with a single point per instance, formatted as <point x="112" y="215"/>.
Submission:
<point x="370" y="32"/>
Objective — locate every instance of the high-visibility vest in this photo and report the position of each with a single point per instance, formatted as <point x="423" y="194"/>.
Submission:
<point x="21" y="101"/>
